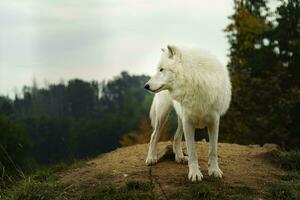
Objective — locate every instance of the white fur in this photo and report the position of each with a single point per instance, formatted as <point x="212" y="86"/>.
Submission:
<point x="199" y="88"/>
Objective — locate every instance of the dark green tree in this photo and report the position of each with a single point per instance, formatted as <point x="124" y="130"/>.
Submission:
<point x="264" y="91"/>
<point x="14" y="147"/>
<point x="6" y="106"/>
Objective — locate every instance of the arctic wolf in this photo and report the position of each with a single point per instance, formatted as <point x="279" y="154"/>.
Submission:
<point x="199" y="88"/>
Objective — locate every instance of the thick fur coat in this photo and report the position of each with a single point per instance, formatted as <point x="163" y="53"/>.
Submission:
<point x="199" y="88"/>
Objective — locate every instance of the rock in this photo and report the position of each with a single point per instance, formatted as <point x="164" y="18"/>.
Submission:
<point x="254" y="145"/>
<point x="271" y="147"/>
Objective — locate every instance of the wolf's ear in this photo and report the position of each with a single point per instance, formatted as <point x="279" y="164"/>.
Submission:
<point x="173" y="51"/>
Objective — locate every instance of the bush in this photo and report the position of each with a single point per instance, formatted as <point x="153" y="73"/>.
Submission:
<point x="289" y="160"/>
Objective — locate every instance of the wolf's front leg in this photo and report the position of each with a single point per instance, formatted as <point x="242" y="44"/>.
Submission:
<point x="189" y="134"/>
<point x="213" y="133"/>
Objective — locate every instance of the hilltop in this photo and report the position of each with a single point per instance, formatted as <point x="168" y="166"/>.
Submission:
<point x="247" y="170"/>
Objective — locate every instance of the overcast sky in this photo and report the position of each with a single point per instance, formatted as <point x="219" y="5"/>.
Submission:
<point x="96" y="39"/>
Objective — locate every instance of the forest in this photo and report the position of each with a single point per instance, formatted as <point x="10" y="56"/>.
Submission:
<point x="78" y="119"/>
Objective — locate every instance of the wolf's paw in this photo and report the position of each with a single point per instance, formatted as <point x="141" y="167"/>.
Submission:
<point x="195" y="175"/>
<point x="215" y="171"/>
<point x="151" y="160"/>
<point x="181" y="159"/>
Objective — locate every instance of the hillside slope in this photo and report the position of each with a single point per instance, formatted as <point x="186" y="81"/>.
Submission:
<point x="243" y="167"/>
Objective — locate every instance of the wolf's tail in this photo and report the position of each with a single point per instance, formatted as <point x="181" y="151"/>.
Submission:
<point x="152" y="113"/>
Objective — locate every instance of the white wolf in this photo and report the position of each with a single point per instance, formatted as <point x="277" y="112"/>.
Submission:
<point x="199" y="88"/>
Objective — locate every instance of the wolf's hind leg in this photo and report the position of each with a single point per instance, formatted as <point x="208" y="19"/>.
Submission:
<point x="177" y="148"/>
<point x="213" y="133"/>
<point x="162" y="107"/>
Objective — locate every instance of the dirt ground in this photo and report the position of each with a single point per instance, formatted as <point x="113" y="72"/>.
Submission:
<point x="242" y="165"/>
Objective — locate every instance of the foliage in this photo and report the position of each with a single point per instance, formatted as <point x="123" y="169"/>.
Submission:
<point x="289" y="160"/>
<point x="67" y="121"/>
<point x="264" y="63"/>
<point x="143" y="134"/>
<point x="14" y="148"/>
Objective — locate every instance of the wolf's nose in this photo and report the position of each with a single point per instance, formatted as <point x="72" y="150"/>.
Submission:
<point x="147" y="86"/>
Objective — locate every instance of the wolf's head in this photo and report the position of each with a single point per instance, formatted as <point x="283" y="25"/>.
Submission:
<point x="165" y="75"/>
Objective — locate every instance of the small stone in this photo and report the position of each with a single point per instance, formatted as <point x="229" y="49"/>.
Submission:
<point x="253" y="145"/>
<point x="271" y="147"/>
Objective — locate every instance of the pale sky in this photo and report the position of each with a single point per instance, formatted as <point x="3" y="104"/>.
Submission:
<point x="50" y="40"/>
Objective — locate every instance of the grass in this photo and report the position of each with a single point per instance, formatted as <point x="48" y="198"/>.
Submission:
<point x="140" y="186"/>
<point x="49" y="173"/>
<point x="206" y="190"/>
<point x="43" y="186"/>
<point x="133" y="190"/>
<point x="288" y="160"/>
<point x="40" y="185"/>
<point x="284" y="191"/>
<point x="291" y="176"/>
<point x="30" y="189"/>
<point x="212" y="189"/>
<point x="288" y="187"/>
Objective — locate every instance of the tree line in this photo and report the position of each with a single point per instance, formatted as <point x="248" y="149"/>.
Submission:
<point x="75" y="120"/>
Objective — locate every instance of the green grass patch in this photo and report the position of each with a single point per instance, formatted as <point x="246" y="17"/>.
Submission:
<point x="288" y="160"/>
<point x="30" y="189"/>
<point x="284" y="190"/>
<point x="139" y="186"/>
<point x="204" y="191"/>
<point x="288" y="187"/>
<point x="291" y="176"/>
<point x="133" y="190"/>
<point x="212" y="189"/>
<point x="50" y="173"/>
<point x="238" y="197"/>
<point x="208" y="189"/>
<point x="40" y="185"/>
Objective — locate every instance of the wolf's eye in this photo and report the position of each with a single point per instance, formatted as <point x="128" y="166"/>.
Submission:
<point x="161" y="69"/>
